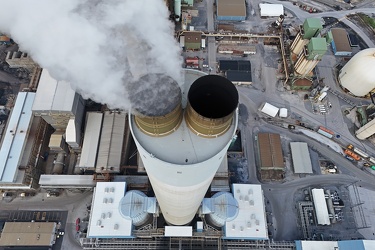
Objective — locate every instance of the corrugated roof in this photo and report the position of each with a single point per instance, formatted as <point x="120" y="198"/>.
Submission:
<point x="28" y="234"/>
<point x="271" y="155"/>
<point x="231" y="8"/>
<point x="111" y="142"/>
<point x="91" y="140"/>
<point x="340" y="38"/>
<point x="15" y="136"/>
<point x="301" y="158"/>
<point x="53" y="95"/>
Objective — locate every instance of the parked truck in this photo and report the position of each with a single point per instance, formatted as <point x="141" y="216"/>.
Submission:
<point x="358" y="151"/>
<point x="352" y="154"/>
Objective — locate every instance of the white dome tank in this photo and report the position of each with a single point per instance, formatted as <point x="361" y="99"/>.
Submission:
<point x="357" y="75"/>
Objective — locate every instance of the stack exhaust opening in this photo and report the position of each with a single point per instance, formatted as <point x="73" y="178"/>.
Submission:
<point x="212" y="101"/>
<point x="156" y="99"/>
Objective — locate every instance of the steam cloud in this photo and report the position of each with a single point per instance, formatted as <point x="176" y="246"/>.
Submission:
<point x="99" y="46"/>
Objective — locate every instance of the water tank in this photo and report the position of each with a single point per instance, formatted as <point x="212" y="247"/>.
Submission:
<point x="133" y="206"/>
<point x="357" y="75"/>
<point x="224" y="208"/>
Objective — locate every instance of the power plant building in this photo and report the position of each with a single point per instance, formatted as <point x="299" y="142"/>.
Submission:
<point x="115" y="212"/>
<point x="19" y="148"/>
<point x="250" y="221"/>
<point x="56" y="102"/>
<point x="231" y="10"/>
<point x="91" y="141"/>
<point x="111" y="142"/>
<point x="180" y="146"/>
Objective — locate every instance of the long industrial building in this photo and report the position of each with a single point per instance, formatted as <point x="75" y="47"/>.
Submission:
<point x="19" y="167"/>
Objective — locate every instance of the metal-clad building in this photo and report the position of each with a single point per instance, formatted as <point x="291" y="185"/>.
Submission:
<point x="67" y="181"/>
<point x="15" y="136"/>
<point x="91" y="140"/>
<point x="111" y="142"/>
<point x="340" y="43"/>
<point x="56" y="102"/>
<point x="225" y="65"/>
<point x="301" y="158"/>
<point x="271" y="156"/>
<point x="239" y="77"/>
<point x="231" y="10"/>
<point x="320" y="205"/>
<point x="30" y="234"/>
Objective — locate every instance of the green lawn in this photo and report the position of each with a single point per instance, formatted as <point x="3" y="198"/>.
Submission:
<point x="370" y="21"/>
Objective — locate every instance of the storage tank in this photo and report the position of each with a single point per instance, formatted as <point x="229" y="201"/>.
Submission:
<point x="357" y="76"/>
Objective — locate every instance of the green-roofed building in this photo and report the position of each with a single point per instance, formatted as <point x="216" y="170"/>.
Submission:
<point x="311" y="27"/>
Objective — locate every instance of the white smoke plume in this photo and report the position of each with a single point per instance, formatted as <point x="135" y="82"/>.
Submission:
<point x="99" y="46"/>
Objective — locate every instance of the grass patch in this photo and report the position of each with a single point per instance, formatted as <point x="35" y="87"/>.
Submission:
<point x="368" y="20"/>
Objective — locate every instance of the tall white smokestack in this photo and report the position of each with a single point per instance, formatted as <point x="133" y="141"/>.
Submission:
<point x="182" y="152"/>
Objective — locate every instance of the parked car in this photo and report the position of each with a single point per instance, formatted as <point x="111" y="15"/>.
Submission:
<point x="78" y="220"/>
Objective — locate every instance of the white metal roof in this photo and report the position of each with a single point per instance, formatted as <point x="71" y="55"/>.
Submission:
<point x="66" y="180"/>
<point x="271" y="9"/>
<point x="250" y="222"/>
<point x="269" y="109"/>
<point x="111" y="142"/>
<point x="283" y="112"/>
<point x="369" y="244"/>
<point x="301" y="158"/>
<point x="105" y="218"/>
<point x="72" y="133"/>
<point x="178" y="231"/>
<point x="318" y="245"/>
<point x="15" y="136"/>
<point x="53" y="95"/>
<point x="91" y="140"/>
<point x="320" y="206"/>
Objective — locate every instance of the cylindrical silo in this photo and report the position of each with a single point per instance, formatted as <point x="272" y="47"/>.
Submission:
<point x="182" y="164"/>
<point x="357" y="76"/>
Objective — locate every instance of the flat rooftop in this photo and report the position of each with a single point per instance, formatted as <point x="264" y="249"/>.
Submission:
<point x="28" y="234"/>
<point x="250" y="222"/>
<point x="105" y="218"/>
